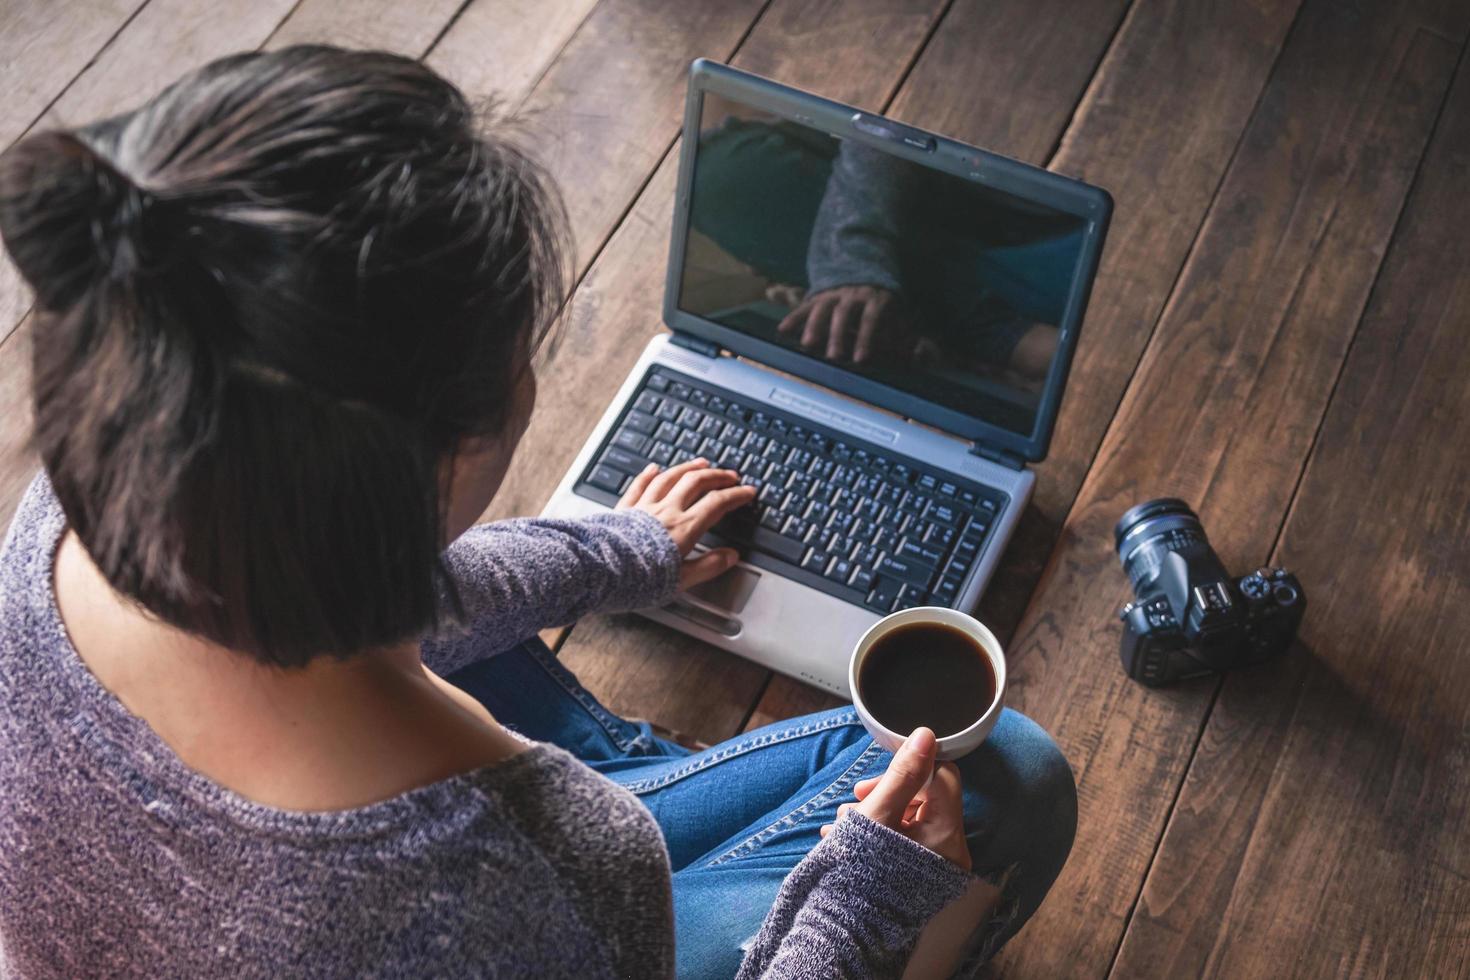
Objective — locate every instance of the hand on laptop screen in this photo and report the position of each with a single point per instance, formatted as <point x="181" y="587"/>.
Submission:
<point x="914" y="277"/>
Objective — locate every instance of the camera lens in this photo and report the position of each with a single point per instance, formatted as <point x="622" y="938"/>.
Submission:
<point x="1149" y="531"/>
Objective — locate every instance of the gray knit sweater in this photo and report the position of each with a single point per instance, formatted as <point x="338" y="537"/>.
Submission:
<point x="118" y="860"/>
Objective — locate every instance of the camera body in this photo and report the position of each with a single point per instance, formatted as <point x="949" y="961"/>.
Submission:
<point x="1189" y="616"/>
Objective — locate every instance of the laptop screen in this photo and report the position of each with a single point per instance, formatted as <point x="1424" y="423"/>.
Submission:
<point x="917" y="279"/>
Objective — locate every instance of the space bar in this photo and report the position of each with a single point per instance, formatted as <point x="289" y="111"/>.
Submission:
<point x="764" y="539"/>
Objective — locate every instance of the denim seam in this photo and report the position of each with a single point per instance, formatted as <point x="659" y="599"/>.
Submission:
<point x="838" y="787"/>
<point x="560" y="675"/>
<point x="707" y="759"/>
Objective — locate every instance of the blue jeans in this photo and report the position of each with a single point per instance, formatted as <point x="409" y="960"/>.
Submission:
<point x="737" y="817"/>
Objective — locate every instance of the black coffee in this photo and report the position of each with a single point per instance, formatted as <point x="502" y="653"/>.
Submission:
<point x="926" y="674"/>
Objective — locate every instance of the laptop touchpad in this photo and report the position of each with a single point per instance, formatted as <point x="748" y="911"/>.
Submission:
<point x="730" y="591"/>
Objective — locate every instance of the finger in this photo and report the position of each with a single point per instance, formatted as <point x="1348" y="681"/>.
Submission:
<point x="943" y="800"/>
<point x="638" y="486"/>
<point x="707" y="566"/>
<point x="717" y="503"/>
<point x="843" y="810"/>
<point x="665" y="481"/>
<point x="697" y="483"/>
<point x="792" y="322"/>
<point x="906" y="775"/>
<point x="817" y="323"/>
<point x="867" y="331"/>
<point x="865" y="786"/>
<point x="825" y="829"/>
<point x="844" y="328"/>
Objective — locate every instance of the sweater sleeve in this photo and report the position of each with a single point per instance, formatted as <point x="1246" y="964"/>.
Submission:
<point x="855" y="237"/>
<point x="854" y="906"/>
<point x="517" y="577"/>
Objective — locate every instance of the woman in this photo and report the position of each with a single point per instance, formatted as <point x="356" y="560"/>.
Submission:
<point x="286" y="313"/>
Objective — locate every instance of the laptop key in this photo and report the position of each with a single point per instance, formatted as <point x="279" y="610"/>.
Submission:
<point x="942" y="513"/>
<point x="884" y="594"/>
<point x="662" y="453"/>
<point x="658" y="382"/>
<point x="620" y="458"/>
<point x="795" y="528"/>
<point x="647" y="401"/>
<point x="907" y="570"/>
<point x="910" y="596"/>
<point x="607" y="478"/>
<point x="634" y="442"/>
<point x="700" y="398"/>
<point x="939" y="535"/>
<point x="668" y="410"/>
<point x="862" y="578"/>
<point x="840" y="571"/>
<point x="817" y="561"/>
<point x="640" y="422"/>
<point x="680" y="390"/>
<point x="920" y="552"/>
<point x="667" y="432"/>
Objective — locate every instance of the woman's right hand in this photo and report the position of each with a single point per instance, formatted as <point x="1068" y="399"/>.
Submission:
<point x="688" y="500"/>
<point x="931" y="814"/>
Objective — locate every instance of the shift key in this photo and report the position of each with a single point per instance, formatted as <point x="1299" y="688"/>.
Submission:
<point x="906" y="570"/>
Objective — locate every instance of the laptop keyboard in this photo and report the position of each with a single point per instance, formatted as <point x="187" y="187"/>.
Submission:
<point x="858" y="522"/>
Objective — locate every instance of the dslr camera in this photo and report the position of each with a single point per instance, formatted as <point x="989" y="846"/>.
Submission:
<point x="1189" y="616"/>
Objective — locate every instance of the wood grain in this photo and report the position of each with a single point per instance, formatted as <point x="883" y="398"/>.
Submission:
<point x="605" y="113"/>
<point x="1221" y="412"/>
<point x="390" y="25"/>
<point x="1021" y="87"/>
<point x="632" y="664"/>
<point x="43" y="47"/>
<point x="500" y="49"/>
<point x="1322" y="822"/>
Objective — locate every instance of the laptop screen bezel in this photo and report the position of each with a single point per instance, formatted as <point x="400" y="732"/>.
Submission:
<point x="1023" y="180"/>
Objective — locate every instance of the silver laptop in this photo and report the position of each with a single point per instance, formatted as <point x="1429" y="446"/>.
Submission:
<point x="872" y="324"/>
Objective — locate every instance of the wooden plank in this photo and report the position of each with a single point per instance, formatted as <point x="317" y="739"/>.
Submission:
<point x="17" y="463"/>
<point x="1221" y="412"/>
<point x="390" y="25"/>
<point x="855" y="51"/>
<point x="1322" y="823"/>
<point x="165" y="39"/>
<point x="607" y="110"/>
<point x="500" y="49"/>
<point x="1026" y="64"/>
<point x="43" y="46"/>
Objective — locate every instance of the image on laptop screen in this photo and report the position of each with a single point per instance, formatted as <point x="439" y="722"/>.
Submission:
<point x="915" y="278"/>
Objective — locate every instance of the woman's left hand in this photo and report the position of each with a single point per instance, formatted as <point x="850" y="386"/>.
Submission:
<point x="688" y="500"/>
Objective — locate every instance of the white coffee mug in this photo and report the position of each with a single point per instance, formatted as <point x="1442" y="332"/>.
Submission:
<point x="950" y="746"/>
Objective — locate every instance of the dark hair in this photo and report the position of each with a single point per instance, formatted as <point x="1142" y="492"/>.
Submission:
<point x="272" y="302"/>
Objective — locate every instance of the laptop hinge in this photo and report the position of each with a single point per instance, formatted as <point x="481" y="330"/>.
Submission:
<point x="1010" y="460"/>
<point x="697" y="344"/>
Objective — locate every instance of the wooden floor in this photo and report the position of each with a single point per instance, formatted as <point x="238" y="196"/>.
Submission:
<point x="1280" y="333"/>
